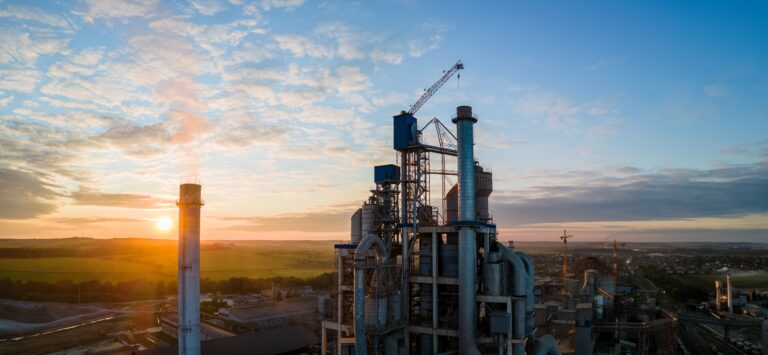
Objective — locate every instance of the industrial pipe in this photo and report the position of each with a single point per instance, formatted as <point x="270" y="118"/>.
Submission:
<point x="467" y="236"/>
<point x="519" y="276"/>
<point x="546" y="345"/>
<point x="530" y="320"/>
<point x="361" y="255"/>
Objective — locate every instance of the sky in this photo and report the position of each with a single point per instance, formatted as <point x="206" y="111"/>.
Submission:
<point x="632" y="120"/>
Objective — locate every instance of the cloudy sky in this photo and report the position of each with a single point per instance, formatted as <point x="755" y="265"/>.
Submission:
<point x="629" y="120"/>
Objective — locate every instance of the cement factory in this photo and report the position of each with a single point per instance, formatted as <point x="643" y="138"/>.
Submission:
<point x="427" y="279"/>
<point x="424" y="272"/>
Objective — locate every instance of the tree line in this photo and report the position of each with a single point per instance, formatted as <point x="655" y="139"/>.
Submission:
<point x="134" y="290"/>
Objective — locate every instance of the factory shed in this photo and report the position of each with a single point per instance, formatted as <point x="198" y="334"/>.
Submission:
<point x="288" y="340"/>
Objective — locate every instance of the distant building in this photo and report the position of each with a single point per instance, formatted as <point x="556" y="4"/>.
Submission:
<point x="170" y="326"/>
<point x="756" y="310"/>
<point x="288" y="340"/>
<point x="272" y="313"/>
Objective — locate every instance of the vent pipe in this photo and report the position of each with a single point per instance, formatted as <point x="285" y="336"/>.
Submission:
<point x="467" y="236"/>
<point x="189" y="269"/>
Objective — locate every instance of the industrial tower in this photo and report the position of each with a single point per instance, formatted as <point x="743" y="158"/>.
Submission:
<point x="418" y="279"/>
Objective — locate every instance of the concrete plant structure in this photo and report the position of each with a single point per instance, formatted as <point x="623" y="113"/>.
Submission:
<point x="189" y="269"/>
<point x="419" y="279"/>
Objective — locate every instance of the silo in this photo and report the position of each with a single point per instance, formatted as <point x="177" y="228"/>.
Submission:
<point x="367" y="219"/>
<point x="357" y="226"/>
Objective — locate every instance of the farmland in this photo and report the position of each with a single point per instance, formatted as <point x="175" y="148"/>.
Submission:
<point x="114" y="260"/>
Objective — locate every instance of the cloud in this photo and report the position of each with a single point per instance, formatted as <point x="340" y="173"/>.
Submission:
<point x="391" y="56"/>
<point x="21" y="80"/>
<point x="4" y="101"/>
<point x="418" y="47"/>
<point x="89" y="197"/>
<point x="281" y="4"/>
<point x="23" y="49"/>
<point x="208" y="7"/>
<point x="715" y="90"/>
<point x="301" y="46"/>
<point x="180" y="128"/>
<point x="562" y="113"/>
<point x="107" y="9"/>
<point x="671" y="194"/>
<point x="25" y="195"/>
<point x="333" y="218"/>
<point x="95" y="220"/>
<point x="26" y="13"/>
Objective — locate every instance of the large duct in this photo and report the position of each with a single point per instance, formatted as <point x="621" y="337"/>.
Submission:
<point x="530" y="308"/>
<point x="519" y="276"/>
<point x="361" y="256"/>
<point x="467" y="236"/>
<point x="546" y="345"/>
<point x="189" y="269"/>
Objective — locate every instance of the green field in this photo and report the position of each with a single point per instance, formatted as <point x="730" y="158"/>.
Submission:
<point x="117" y="260"/>
<point x="738" y="280"/>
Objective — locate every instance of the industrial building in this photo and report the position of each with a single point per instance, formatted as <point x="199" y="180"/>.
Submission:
<point x="423" y="275"/>
<point x="268" y="314"/>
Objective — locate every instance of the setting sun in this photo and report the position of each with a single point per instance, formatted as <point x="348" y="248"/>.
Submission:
<point x="163" y="224"/>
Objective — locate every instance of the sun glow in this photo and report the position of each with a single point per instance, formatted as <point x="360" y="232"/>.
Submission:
<point x="163" y="224"/>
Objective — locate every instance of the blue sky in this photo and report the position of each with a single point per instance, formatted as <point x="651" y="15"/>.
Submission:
<point x="635" y="120"/>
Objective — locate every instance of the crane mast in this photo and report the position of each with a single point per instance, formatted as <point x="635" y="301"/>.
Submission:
<point x="436" y="86"/>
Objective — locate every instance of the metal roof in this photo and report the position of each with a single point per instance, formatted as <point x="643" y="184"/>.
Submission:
<point x="268" y="342"/>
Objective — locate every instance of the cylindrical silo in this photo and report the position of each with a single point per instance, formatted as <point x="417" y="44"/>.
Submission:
<point x="452" y="204"/>
<point x="189" y="268"/>
<point x="357" y="226"/>
<point x="483" y="189"/>
<point x="368" y="218"/>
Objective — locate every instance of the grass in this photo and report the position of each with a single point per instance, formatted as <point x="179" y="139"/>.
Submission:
<point x="739" y="280"/>
<point x="156" y="260"/>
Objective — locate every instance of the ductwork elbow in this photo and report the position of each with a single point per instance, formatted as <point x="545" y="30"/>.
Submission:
<point x="361" y="254"/>
<point x="530" y="322"/>
<point x="519" y="281"/>
<point x="546" y="345"/>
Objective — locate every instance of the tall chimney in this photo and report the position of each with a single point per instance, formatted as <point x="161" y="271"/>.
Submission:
<point x="730" y="293"/>
<point x="467" y="236"/>
<point x="189" y="269"/>
<point x="718" y="296"/>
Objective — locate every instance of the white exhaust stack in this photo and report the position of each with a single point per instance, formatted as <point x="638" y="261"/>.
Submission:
<point x="189" y="268"/>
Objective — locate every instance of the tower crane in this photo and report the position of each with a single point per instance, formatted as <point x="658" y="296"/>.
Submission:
<point x="564" y="238"/>
<point x="436" y="86"/>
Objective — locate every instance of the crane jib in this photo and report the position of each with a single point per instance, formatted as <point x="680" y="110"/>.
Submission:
<point x="436" y="86"/>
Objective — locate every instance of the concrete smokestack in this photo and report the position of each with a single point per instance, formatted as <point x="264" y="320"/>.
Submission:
<point x="189" y="268"/>
<point x="730" y="293"/>
<point x="467" y="236"/>
<point x="718" y="296"/>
